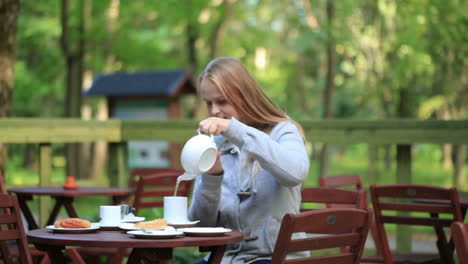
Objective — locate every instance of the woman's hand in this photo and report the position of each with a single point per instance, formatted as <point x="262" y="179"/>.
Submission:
<point x="214" y="125"/>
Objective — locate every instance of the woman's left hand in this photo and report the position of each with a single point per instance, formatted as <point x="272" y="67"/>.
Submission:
<point x="214" y="125"/>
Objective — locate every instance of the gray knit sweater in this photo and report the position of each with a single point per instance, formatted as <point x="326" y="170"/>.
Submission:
<point x="263" y="175"/>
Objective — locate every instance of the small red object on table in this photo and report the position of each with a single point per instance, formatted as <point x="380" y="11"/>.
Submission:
<point x="70" y="183"/>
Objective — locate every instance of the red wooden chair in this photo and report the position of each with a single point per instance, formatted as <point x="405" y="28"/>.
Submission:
<point x="12" y="229"/>
<point x="9" y="249"/>
<point x="325" y="195"/>
<point x="151" y="189"/>
<point x="421" y="205"/>
<point x="353" y="181"/>
<point x="460" y="237"/>
<point x="136" y="173"/>
<point x="338" y="227"/>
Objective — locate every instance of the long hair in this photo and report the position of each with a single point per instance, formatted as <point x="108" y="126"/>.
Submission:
<point x="240" y="89"/>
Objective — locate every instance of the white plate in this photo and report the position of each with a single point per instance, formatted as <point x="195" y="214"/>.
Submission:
<point x="156" y="234"/>
<point x="186" y="224"/>
<point x="93" y="228"/>
<point x="205" y="231"/>
<point x="131" y="226"/>
<point x="134" y="220"/>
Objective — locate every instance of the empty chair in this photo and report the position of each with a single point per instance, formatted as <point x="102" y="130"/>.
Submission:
<point x="324" y="195"/>
<point x="338" y="227"/>
<point x="353" y="181"/>
<point x="412" y="204"/>
<point x="9" y="249"/>
<point x="460" y="237"/>
<point x="12" y="229"/>
<point x="151" y="189"/>
<point x="138" y="172"/>
<point x="342" y="180"/>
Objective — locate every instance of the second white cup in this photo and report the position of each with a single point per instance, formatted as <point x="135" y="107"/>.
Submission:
<point x="175" y="209"/>
<point x="110" y="215"/>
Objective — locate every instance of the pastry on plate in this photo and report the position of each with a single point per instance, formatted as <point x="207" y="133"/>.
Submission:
<point x="72" y="223"/>
<point x="157" y="223"/>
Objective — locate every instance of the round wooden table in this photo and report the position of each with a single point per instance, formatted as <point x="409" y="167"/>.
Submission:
<point x="65" y="198"/>
<point x="154" y="250"/>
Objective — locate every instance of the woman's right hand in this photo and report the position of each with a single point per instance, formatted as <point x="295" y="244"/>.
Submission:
<point x="217" y="168"/>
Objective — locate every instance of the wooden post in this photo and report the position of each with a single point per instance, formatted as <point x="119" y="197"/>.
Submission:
<point x="118" y="164"/>
<point x="373" y="159"/>
<point x="45" y="176"/>
<point x="404" y="233"/>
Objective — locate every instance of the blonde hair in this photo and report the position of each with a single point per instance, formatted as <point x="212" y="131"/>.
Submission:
<point x="241" y="90"/>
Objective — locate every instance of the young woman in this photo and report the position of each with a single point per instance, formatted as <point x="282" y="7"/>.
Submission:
<point x="262" y="162"/>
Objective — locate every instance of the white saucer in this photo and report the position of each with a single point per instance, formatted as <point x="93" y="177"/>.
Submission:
<point x="134" y="220"/>
<point x="204" y="231"/>
<point x="183" y="224"/>
<point x="155" y="234"/>
<point x="93" y="228"/>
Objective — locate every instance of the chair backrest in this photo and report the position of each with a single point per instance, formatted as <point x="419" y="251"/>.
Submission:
<point x="11" y="226"/>
<point x="396" y="204"/>
<point x="138" y="172"/>
<point x="325" y="195"/>
<point x="460" y="238"/>
<point x="354" y="181"/>
<point x="337" y="227"/>
<point x="151" y="189"/>
<point x="342" y="180"/>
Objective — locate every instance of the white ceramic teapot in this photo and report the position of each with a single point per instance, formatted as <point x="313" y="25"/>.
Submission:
<point x="198" y="156"/>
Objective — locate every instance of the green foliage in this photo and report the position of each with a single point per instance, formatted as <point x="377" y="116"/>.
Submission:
<point x="381" y="47"/>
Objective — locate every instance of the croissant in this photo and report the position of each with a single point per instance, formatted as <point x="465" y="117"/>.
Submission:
<point x="72" y="223"/>
<point x="157" y="223"/>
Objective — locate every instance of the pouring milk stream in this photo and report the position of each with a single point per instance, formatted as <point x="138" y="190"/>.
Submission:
<point x="198" y="156"/>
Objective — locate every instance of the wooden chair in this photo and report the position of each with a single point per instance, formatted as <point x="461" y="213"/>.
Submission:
<point x="460" y="237"/>
<point x="9" y="249"/>
<point x="151" y="189"/>
<point x="434" y="206"/>
<point x="354" y="181"/>
<point x="136" y="173"/>
<point x="12" y="229"/>
<point x="338" y="227"/>
<point x="325" y="195"/>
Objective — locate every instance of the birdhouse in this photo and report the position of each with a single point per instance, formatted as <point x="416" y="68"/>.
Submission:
<point x="154" y="95"/>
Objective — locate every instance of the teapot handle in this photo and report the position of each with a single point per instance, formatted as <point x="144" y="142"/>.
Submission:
<point x="200" y="133"/>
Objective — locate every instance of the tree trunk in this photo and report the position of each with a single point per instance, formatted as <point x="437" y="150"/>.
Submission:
<point x="219" y="29"/>
<point x="330" y="87"/>
<point x="9" y="10"/>
<point x="73" y="50"/>
<point x="100" y="148"/>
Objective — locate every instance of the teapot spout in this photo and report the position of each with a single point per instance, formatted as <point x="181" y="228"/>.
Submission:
<point x="186" y="177"/>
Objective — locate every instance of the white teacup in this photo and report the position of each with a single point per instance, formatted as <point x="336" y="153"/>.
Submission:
<point x="110" y="215"/>
<point x="198" y="155"/>
<point x="175" y="209"/>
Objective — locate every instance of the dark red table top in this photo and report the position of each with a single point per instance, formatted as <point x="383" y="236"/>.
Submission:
<point x="118" y="239"/>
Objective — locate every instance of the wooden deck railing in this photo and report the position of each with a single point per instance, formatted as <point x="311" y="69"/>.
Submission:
<point x="49" y="131"/>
